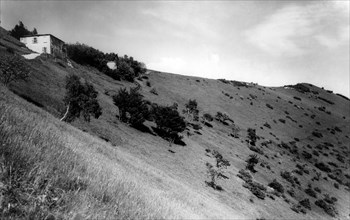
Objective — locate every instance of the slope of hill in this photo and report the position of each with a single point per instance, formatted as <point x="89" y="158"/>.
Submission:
<point x="302" y="129"/>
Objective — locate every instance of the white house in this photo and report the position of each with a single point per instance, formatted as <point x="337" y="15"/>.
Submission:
<point x="44" y="43"/>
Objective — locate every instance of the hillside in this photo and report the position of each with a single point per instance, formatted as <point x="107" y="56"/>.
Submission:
<point x="297" y="129"/>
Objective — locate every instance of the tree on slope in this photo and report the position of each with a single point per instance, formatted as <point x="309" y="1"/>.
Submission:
<point x="80" y="99"/>
<point x="13" y="68"/>
<point x="132" y="108"/>
<point x="20" y="30"/>
<point x="169" y="122"/>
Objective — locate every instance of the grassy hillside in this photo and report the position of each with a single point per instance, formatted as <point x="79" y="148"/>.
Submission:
<point x="119" y="171"/>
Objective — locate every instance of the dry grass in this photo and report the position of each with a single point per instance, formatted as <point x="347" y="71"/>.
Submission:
<point x="49" y="168"/>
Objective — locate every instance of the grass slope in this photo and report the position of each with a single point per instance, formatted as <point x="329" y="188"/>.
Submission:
<point x="169" y="181"/>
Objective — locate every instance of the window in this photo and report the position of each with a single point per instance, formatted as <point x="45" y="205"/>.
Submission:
<point x="44" y="50"/>
<point x="35" y="40"/>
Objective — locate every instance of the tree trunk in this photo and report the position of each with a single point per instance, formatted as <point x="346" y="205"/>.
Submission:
<point x="65" y="114"/>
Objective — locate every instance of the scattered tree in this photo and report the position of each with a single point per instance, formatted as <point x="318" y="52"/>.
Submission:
<point x="80" y="98"/>
<point x="132" y="108"/>
<point x="13" y="68"/>
<point x="192" y="109"/>
<point x="252" y="161"/>
<point x="216" y="172"/>
<point x="169" y="122"/>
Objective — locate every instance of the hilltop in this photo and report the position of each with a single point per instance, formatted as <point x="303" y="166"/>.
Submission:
<point x="301" y="131"/>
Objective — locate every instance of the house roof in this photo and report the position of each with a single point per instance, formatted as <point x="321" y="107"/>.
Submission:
<point x="38" y="35"/>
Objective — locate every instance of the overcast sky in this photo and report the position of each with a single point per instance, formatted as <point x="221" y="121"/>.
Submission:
<point x="273" y="43"/>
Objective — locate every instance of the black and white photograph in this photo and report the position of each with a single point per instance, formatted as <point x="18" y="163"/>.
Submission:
<point x="175" y="109"/>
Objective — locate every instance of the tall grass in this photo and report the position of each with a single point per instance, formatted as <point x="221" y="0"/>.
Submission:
<point x="50" y="169"/>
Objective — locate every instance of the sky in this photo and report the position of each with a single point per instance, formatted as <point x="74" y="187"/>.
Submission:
<point x="272" y="43"/>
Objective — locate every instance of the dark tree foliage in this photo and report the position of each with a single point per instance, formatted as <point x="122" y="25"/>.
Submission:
<point x="168" y="121"/>
<point x="252" y="161"/>
<point x="127" y="67"/>
<point x="13" y="68"/>
<point x="252" y="136"/>
<point x="20" y="30"/>
<point x="80" y="99"/>
<point x="132" y="108"/>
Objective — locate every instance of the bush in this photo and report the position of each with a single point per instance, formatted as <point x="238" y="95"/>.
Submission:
<point x="323" y="167"/>
<point x="256" y="188"/>
<point x="305" y="203"/>
<point x="153" y="91"/>
<point x="132" y="108"/>
<point x="216" y="172"/>
<point x="311" y="192"/>
<point x="277" y="186"/>
<point x="282" y="120"/>
<point x="252" y="136"/>
<point x="245" y="175"/>
<point x="13" y="68"/>
<point x="328" y="208"/>
<point x="269" y="106"/>
<point x="317" y="134"/>
<point x="208" y="117"/>
<point x="252" y="161"/>
<point x="267" y="125"/>
<point x="80" y="98"/>
<point x="287" y="176"/>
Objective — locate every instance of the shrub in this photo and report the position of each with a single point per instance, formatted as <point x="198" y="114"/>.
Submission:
<point x="252" y="161"/>
<point x="305" y="203"/>
<point x="267" y="125"/>
<point x="282" y="120"/>
<point x="269" y="106"/>
<point x="328" y="208"/>
<point x="148" y="83"/>
<point x="322" y="166"/>
<point x="287" y="176"/>
<point x="153" y="91"/>
<point x="310" y="192"/>
<point x="208" y="117"/>
<point x="256" y="188"/>
<point x="13" y="68"/>
<point x="80" y="98"/>
<point x="252" y="136"/>
<point x="245" y="175"/>
<point x="277" y="186"/>
<point x="317" y="134"/>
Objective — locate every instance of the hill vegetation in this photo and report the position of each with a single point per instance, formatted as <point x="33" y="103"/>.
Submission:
<point x="237" y="150"/>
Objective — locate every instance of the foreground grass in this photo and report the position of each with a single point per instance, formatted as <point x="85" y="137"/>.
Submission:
<point x="49" y="169"/>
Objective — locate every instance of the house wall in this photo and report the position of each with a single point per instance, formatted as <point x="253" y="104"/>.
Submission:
<point x="38" y="46"/>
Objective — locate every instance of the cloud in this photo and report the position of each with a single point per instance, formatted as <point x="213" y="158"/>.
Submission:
<point x="293" y="29"/>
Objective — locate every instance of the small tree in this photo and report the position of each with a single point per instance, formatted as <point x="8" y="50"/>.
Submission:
<point x="252" y="161"/>
<point x="20" y="30"/>
<point x="80" y="98"/>
<point x="216" y="172"/>
<point x="132" y="108"/>
<point x="252" y="136"/>
<point x="13" y="68"/>
<point x="192" y="109"/>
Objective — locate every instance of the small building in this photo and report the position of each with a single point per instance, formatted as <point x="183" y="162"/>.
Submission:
<point x="44" y="43"/>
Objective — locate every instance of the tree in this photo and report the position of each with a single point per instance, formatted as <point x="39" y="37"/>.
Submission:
<point x="252" y="136"/>
<point x="132" y="108"/>
<point x="125" y="71"/>
<point x="192" y="109"/>
<point x="169" y="122"/>
<point x="13" y="68"/>
<point x="252" y="161"/>
<point x="20" y="30"/>
<point x="216" y="172"/>
<point x="80" y="98"/>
